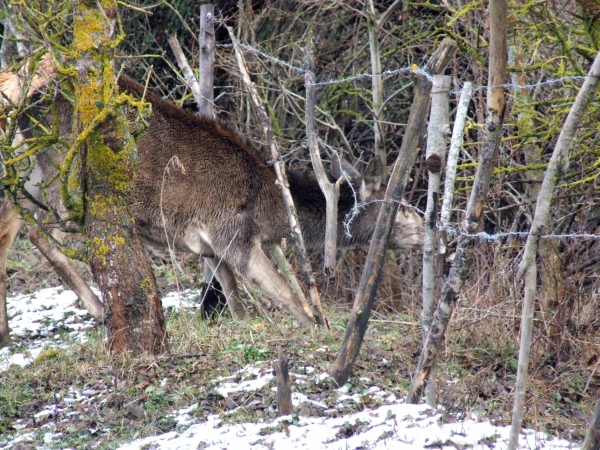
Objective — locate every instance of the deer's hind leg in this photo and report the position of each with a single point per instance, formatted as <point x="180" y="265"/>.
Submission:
<point x="258" y="270"/>
<point x="10" y="224"/>
<point x="227" y="281"/>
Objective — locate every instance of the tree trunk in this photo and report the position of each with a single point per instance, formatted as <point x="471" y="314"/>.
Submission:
<point x="487" y="159"/>
<point x="592" y="437"/>
<point x="120" y="266"/>
<point x="436" y="149"/>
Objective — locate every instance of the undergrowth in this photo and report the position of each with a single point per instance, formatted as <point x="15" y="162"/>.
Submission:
<point x="107" y="399"/>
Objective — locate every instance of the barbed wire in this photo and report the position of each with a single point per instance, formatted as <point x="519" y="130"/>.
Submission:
<point x="452" y="231"/>
<point x="412" y="70"/>
<point x="288" y="155"/>
<point x="550" y="81"/>
<point x="302" y="70"/>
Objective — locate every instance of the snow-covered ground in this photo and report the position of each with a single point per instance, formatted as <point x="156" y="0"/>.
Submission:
<point x="35" y="318"/>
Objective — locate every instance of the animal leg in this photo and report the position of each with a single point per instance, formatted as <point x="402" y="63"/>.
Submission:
<point x="261" y="273"/>
<point x="227" y="280"/>
<point x="10" y="224"/>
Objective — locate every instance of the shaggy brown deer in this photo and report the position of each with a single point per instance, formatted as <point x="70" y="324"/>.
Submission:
<point x="200" y="187"/>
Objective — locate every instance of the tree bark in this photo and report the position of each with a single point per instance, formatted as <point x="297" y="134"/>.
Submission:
<point x="592" y="437"/>
<point x="120" y="266"/>
<point x="359" y="317"/>
<point x="487" y="159"/>
<point x="284" y="389"/>
<point x="435" y="154"/>
<point x="541" y="219"/>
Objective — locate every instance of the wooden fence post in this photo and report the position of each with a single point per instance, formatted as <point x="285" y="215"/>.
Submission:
<point x="359" y="317"/>
<point x="487" y="160"/>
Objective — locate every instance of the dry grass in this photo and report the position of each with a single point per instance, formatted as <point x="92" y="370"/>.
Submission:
<point x="475" y="375"/>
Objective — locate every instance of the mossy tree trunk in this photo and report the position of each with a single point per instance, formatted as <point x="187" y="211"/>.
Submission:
<point x="119" y="262"/>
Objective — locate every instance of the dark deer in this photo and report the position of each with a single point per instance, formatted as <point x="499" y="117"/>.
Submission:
<point x="200" y="187"/>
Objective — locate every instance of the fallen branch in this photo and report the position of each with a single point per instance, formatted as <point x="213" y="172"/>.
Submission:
<point x="63" y="267"/>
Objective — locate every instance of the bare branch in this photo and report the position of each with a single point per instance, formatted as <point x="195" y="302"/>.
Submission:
<point x="184" y="66"/>
<point x="331" y="191"/>
<point x="309" y="317"/>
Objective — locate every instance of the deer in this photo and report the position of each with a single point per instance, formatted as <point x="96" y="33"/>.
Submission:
<point x="201" y="187"/>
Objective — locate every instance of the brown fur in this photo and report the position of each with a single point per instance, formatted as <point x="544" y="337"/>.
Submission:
<point x="206" y="186"/>
<point x="228" y="189"/>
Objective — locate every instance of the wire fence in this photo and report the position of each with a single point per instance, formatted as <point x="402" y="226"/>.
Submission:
<point x="419" y="71"/>
<point x="412" y="70"/>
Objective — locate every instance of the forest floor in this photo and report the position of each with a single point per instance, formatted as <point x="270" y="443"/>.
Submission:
<point x="61" y="388"/>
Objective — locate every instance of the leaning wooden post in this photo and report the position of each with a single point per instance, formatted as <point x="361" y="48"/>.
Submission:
<point x="284" y="186"/>
<point x="528" y="265"/>
<point x="359" y="317"/>
<point x="437" y="132"/>
<point x="466" y="240"/>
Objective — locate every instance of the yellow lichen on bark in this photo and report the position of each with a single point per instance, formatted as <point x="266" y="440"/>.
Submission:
<point x="106" y="149"/>
<point x="105" y="136"/>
